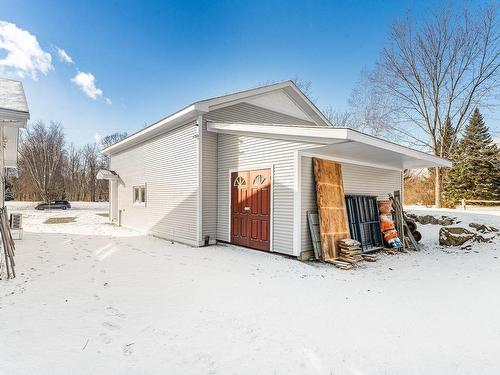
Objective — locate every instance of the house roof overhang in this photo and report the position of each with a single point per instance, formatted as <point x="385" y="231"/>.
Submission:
<point x="342" y="144"/>
<point x="168" y="123"/>
<point x="203" y="106"/>
<point x="13" y="106"/>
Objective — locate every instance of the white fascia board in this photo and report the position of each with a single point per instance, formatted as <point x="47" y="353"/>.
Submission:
<point x="315" y="109"/>
<point x="168" y="123"/>
<point x="238" y="96"/>
<point x="230" y="99"/>
<point x="434" y="161"/>
<point x="314" y="134"/>
<point x="14" y="118"/>
<point x="325" y="136"/>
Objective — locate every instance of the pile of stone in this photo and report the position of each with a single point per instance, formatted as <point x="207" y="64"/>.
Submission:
<point x="351" y="254"/>
<point x="429" y="219"/>
<point x="459" y="236"/>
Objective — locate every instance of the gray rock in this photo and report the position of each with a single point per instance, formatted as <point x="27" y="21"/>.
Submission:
<point x="458" y="236"/>
<point x="429" y="219"/>
<point x="483" y="228"/>
<point x="454" y="236"/>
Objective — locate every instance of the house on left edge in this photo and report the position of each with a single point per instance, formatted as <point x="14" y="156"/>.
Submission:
<point x="14" y="115"/>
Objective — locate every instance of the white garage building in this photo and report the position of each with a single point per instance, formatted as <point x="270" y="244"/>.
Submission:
<point x="238" y="169"/>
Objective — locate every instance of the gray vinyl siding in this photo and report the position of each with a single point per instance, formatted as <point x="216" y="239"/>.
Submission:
<point x="357" y="180"/>
<point x="245" y="112"/>
<point x="209" y="185"/>
<point x="168" y="166"/>
<point x="246" y="153"/>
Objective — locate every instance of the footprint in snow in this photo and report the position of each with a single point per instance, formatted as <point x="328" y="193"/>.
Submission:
<point x="105" y="338"/>
<point x="111" y="326"/>
<point x="115" y="312"/>
<point x="127" y="349"/>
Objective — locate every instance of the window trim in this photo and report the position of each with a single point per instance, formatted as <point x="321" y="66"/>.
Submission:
<point x="144" y="190"/>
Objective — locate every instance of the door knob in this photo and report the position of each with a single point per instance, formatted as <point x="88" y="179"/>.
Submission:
<point x="247" y="208"/>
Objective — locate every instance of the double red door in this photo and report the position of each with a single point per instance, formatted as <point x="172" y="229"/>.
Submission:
<point x="250" y="208"/>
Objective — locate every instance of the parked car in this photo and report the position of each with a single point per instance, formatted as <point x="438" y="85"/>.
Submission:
<point x="54" y="205"/>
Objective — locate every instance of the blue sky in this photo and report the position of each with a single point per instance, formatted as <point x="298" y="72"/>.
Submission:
<point x="151" y="58"/>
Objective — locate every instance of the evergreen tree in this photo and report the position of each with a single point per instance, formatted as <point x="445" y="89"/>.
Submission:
<point x="475" y="173"/>
<point x="447" y="140"/>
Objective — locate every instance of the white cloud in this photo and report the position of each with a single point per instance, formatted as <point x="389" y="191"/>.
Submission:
<point x="86" y="82"/>
<point x="63" y="56"/>
<point x="97" y="137"/>
<point x="108" y="101"/>
<point x="24" y="54"/>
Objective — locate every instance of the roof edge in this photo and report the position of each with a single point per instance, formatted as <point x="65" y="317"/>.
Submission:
<point x="323" y="135"/>
<point x="154" y="129"/>
<point x="356" y="135"/>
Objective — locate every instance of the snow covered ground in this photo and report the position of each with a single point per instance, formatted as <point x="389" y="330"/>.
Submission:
<point x="91" y="298"/>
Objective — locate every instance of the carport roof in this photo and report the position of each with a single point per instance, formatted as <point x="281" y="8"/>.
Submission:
<point x="106" y="174"/>
<point x="343" y="144"/>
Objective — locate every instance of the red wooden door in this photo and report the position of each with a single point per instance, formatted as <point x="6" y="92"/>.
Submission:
<point x="250" y="208"/>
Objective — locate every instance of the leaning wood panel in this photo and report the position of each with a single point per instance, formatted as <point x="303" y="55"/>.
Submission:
<point x="331" y="206"/>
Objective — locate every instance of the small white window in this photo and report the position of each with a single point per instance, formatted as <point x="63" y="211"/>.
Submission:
<point x="139" y="195"/>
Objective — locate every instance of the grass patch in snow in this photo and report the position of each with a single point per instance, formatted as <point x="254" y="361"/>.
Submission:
<point x="60" y="220"/>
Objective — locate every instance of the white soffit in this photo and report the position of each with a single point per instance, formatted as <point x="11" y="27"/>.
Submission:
<point x="279" y="101"/>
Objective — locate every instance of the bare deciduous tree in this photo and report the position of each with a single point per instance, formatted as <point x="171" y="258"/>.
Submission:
<point x="439" y="73"/>
<point x="93" y="163"/>
<point x="49" y="170"/>
<point x="339" y="119"/>
<point x="41" y="157"/>
<point x="110" y="140"/>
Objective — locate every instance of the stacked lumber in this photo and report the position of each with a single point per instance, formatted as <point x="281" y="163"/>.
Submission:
<point x="350" y="254"/>
<point x="370" y="257"/>
<point x="350" y="251"/>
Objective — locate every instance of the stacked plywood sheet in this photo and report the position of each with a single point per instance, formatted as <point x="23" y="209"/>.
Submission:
<point x="351" y="254"/>
<point x="350" y="251"/>
<point x="331" y="207"/>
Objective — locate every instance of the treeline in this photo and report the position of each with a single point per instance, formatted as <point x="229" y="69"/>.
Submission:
<point x="50" y="168"/>
<point x="475" y="173"/>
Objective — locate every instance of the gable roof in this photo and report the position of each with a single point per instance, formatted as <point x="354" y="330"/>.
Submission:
<point x="354" y="145"/>
<point x="203" y="106"/>
<point x="12" y="97"/>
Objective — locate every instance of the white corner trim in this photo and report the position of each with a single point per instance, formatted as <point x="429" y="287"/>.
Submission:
<point x="297" y="206"/>
<point x="199" y="211"/>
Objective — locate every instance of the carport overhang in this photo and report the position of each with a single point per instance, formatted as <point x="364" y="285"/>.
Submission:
<point x="344" y="145"/>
